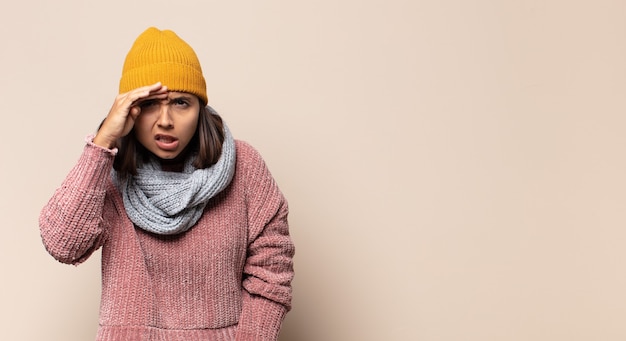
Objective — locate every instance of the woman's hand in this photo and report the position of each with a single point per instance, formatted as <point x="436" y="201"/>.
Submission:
<point x="125" y="109"/>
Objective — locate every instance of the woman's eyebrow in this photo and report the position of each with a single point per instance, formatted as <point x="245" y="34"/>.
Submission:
<point x="176" y="97"/>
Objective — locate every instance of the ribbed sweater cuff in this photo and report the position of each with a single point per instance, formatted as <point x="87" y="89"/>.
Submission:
<point x="93" y="167"/>
<point x="261" y="319"/>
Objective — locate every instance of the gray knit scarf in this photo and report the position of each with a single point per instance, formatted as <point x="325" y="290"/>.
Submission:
<point x="171" y="202"/>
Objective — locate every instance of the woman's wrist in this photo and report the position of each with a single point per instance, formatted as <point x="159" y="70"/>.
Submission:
<point x="103" y="142"/>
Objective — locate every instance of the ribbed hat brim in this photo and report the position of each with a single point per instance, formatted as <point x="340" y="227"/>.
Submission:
<point x="177" y="77"/>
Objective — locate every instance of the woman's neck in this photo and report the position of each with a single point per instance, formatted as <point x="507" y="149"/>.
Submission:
<point x="176" y="164"/>
<point x="173" y="165"/>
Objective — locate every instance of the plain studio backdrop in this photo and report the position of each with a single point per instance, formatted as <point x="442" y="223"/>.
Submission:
<point x="455" y="169"/>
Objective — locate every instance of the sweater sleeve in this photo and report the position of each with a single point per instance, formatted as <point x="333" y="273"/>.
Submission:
<point x="268" y="270"/>
<point x="71" y="222"/>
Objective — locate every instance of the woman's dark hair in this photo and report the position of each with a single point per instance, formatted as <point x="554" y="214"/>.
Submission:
<point x="206" y="145"/>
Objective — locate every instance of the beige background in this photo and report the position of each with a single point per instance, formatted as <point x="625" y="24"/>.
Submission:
<point x="455" y="168"/>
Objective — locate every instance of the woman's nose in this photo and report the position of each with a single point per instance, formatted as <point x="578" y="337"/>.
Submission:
<point x="165" y="119"/>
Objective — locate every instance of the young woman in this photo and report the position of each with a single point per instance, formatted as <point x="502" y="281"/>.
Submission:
<point x="193" y="228"/>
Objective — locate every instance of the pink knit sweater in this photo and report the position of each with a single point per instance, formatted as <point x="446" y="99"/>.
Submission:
<point x="227" y="278"/>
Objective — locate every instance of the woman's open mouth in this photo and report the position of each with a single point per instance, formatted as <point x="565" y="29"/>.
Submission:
<point x="166" y="142"/>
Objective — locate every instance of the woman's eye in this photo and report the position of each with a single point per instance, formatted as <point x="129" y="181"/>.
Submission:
<point x="180" y="102"/>
<point x="147" y="104"/>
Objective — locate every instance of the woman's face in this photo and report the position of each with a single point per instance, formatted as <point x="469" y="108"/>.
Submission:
<point x="166" y="126"/>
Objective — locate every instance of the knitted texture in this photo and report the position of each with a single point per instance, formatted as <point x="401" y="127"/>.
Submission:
<point x="162" y="56"/>
<point x="228" y="278"/>
<point x="172" y="202"/>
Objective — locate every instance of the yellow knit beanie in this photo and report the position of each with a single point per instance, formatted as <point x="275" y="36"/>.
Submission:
<point x="161" y="56"/>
